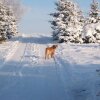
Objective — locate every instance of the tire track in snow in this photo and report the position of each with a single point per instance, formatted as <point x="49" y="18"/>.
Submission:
<point x="10" y="53"/>
<point x="19" y="73"/>
<point x="11" y="74"/>
<point x="29" y="58"/>
<point x="64" y="72"/>
<point x="26" y="59"/>
<point x="76" y="90"/>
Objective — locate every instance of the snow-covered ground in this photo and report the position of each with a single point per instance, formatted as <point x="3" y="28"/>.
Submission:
<point x="26" y="75"/>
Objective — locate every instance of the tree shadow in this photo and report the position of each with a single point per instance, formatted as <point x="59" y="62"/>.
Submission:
<point x="87" y="45"/>
<point x="37" y="40"/>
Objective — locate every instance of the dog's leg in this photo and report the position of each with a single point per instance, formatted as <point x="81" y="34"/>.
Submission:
<point x="52" y="55"/>
<point x="46" y="53"/>
<point x="48" y="56"/>
<point x="45" y="57"/>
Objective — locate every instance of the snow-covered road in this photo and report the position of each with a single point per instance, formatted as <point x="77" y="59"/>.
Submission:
<point x="26" y="75"/>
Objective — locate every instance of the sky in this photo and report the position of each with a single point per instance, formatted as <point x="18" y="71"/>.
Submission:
<point x="36" y="18"/>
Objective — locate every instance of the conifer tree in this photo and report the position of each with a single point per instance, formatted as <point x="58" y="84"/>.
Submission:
<point x="67" y="22"/>
<point x="92" y="24"/>
<point x="8" y="25"/>
<point x="94" y="12"/>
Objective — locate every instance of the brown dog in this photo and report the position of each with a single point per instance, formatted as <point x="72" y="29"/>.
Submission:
<point x="50" y="51"/>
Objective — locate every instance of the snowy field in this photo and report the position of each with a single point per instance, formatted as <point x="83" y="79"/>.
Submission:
<point x="26" y="75"/>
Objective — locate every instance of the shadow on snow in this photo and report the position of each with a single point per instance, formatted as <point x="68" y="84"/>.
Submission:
<point x="36" y="40"/>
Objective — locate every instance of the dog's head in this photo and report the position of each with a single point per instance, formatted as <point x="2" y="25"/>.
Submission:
<point x="55" y="46"/>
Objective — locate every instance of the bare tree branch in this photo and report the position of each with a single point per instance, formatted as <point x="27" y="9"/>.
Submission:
<point x="16" y="6"/>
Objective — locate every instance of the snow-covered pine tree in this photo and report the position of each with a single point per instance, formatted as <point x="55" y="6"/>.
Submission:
<point x="92" y="24"/>
<point x="7" y="23"/>
<point x="67" y="22"/>
<point x="94" y="12"/>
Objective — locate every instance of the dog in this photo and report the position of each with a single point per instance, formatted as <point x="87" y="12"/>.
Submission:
<point x="50" y="51"/>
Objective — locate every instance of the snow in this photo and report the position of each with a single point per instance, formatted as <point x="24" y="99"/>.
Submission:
<point x="97" y="26"/>
<point x="88" y="30"/>
<point x="74" y="74"/>
<point x="92" y="31"/>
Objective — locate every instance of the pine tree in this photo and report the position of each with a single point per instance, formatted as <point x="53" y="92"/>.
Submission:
<point x="7" y="23"/>
<point x="67" y="23"/>
<point x="94" y="12"/>
<point x="92" y="24"/>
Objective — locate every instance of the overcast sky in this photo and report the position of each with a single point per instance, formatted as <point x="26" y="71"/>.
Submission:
<point x="37" y="17"/>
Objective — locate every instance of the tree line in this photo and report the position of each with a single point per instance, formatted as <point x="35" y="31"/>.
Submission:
<point x="69" y="24"/>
